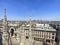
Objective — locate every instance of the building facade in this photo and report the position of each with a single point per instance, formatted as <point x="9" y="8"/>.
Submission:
<point x="42" y="32"/>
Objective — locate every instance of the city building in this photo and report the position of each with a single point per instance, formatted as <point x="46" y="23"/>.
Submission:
<point x="42" y="32"/>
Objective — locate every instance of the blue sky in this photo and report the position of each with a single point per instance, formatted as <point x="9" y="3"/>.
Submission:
<point x="38" y="9"/>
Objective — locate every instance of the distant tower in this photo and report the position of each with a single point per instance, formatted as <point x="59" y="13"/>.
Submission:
<point x="5" y="31"/>
<point x="30" y="33"/>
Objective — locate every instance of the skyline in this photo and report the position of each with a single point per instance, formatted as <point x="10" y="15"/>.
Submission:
<point x="38" y="9"/>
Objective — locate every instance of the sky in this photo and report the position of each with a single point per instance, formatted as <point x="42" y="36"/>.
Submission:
<point x="38" y="9"/>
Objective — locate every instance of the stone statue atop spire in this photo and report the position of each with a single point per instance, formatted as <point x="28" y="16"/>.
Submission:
<point x="5" y="11"/>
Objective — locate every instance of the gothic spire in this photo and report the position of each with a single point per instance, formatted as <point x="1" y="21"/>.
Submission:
<point x="5" y="18"/>
<point x="5" y="35"/>
<point x="5" y="11"/>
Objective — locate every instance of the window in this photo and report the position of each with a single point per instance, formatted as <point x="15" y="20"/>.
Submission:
<point x="27" y="37"/>
<point x="52" y="33"/>
<point x="52" y="37"/>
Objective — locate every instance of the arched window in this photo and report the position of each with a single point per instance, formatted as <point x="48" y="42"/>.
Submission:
<point x="12" y="32"/>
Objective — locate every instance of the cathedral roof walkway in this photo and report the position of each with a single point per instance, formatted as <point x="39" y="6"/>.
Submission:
<point x="13" y="41"/>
